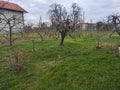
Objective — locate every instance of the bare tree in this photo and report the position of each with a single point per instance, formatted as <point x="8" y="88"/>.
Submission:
<point x="76" y="16"/>
<point x="114" y="20"/>
<point x="62" y="21"/>
<point x="99" y="27"/>
<point x="40" y="29"/>
<point x="8" y="23"/>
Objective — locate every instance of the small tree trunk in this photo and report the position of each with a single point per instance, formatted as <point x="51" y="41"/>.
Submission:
<point x="98" y="40"/>
<point x="33" y="43"/>
<point x="10" y="36"/>
<point x="98" y="44"/>
<point x="42" y="38"/>
<point x="62" y="38"/>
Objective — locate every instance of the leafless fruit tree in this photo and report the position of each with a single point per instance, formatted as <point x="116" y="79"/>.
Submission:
<point x="9" y="24"/>
<point x="40" y="29"/>
<point x="114" y="21"/>
<point x="99" y="27"/>
<point x="64" y="21"/>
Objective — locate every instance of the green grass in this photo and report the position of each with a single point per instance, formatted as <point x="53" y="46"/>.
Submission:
<point x="77" y="65"/>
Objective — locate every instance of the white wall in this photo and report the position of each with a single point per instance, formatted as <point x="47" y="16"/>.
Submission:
<point x="19" y="22"/>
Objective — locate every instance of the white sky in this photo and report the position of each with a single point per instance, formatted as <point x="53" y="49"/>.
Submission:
<point x="94" y="9"/>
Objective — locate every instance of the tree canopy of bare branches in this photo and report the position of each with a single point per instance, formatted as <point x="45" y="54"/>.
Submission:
<point x="64" y="21"/>
<point x="10" y="22"/>
<point x="114" y="20"/>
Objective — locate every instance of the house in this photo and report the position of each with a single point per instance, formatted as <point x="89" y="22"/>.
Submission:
<point x="87" y="26"/>
<point x="15" y="13"/>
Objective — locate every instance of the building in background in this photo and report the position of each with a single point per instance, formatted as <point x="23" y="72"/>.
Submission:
<point x="9" y="10"/>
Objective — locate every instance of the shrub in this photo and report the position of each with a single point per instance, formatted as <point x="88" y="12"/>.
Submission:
<point x="16" y="62"/>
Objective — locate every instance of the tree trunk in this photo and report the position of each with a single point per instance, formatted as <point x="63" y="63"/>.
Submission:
<point x="62" y="38"/>
<point x="33" y="43"/>
<point x="42" y="38"/>
<point x="10" y="36"/>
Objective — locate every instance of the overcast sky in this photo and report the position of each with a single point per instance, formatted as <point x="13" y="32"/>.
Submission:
<point x="94" y="9"/>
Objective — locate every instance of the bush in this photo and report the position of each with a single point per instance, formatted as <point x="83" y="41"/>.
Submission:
<point x="16" y="62"/>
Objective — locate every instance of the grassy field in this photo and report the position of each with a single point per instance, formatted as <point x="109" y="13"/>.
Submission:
<point x="77" y="65"/>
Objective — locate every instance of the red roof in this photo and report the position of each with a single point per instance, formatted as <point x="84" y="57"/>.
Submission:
<point x="11" y="6"/>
